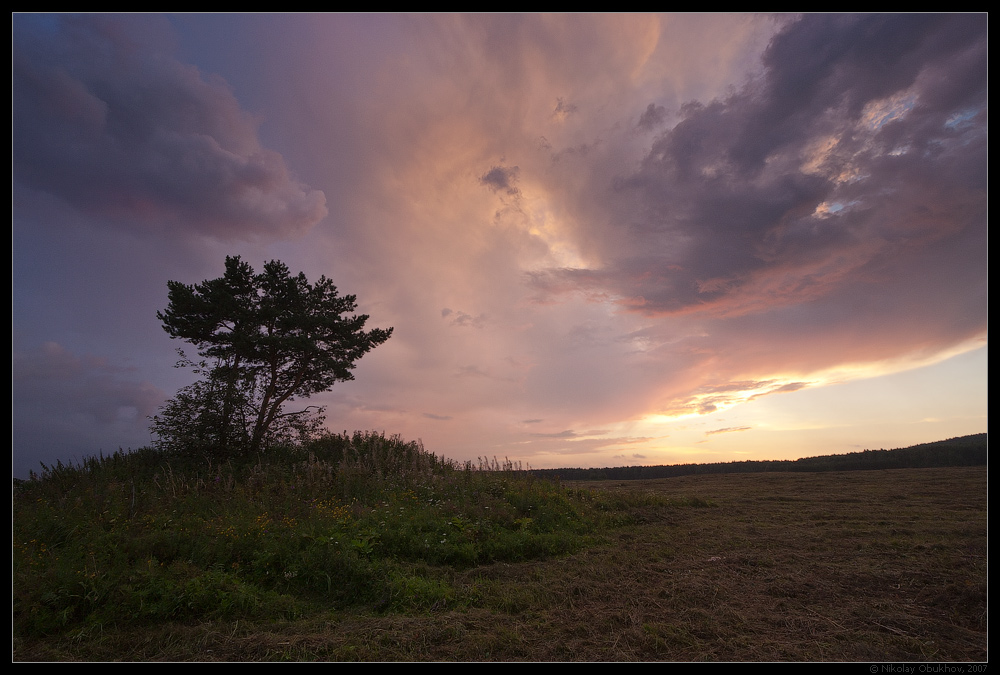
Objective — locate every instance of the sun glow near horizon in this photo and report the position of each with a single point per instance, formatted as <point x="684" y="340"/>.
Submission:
<point x="600" y="238"/>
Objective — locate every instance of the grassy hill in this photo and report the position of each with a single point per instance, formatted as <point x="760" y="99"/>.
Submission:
<point x="365" y="547"/>
<point x="146" y="536"/>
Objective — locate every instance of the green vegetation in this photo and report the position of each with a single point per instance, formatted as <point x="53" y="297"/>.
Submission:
<point x="369" y="548"/>
<point x="341" y="521"/>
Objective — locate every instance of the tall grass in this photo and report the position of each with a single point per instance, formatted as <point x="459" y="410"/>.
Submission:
<point x="148" y="536"/>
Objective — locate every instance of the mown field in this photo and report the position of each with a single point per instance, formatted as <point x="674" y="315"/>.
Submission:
<point x="841" y="566"/>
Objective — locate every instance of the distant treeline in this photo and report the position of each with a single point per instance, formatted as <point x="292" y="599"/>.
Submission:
<point x="962" y="451"/>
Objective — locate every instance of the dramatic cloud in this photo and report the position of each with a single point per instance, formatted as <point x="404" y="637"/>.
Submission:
<point x="823" y="176"/>
<point x="831" y="211"/>
<point x="596" y="236"/>
<point x="129" y="134"/>
<point x="88" y="385"/>
<point x="652" y="117"/>
<point x="501" y="179"/>
<point x="69" y="400"/>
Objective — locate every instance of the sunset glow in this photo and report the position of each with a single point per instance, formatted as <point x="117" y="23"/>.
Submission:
<point x="600" y="239"/>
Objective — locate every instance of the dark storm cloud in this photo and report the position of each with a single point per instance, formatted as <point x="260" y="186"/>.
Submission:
<point x="54" y="378"/>
<point x="858" y="150"/>
<point x="501" y="179"/>
<point x="652" y="117"/>
<point x="126" y="132"/>
<point x="842" y="62"/>
<point x="66" y="404"/>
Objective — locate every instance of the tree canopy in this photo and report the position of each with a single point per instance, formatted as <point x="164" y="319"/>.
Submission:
<point x="268" y="339"/>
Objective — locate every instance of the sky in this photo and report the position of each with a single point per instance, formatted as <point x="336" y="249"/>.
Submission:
<point x="600" y="239"/>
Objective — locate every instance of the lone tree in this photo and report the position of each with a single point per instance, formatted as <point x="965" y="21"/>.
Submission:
<point x="267" y="339"/>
